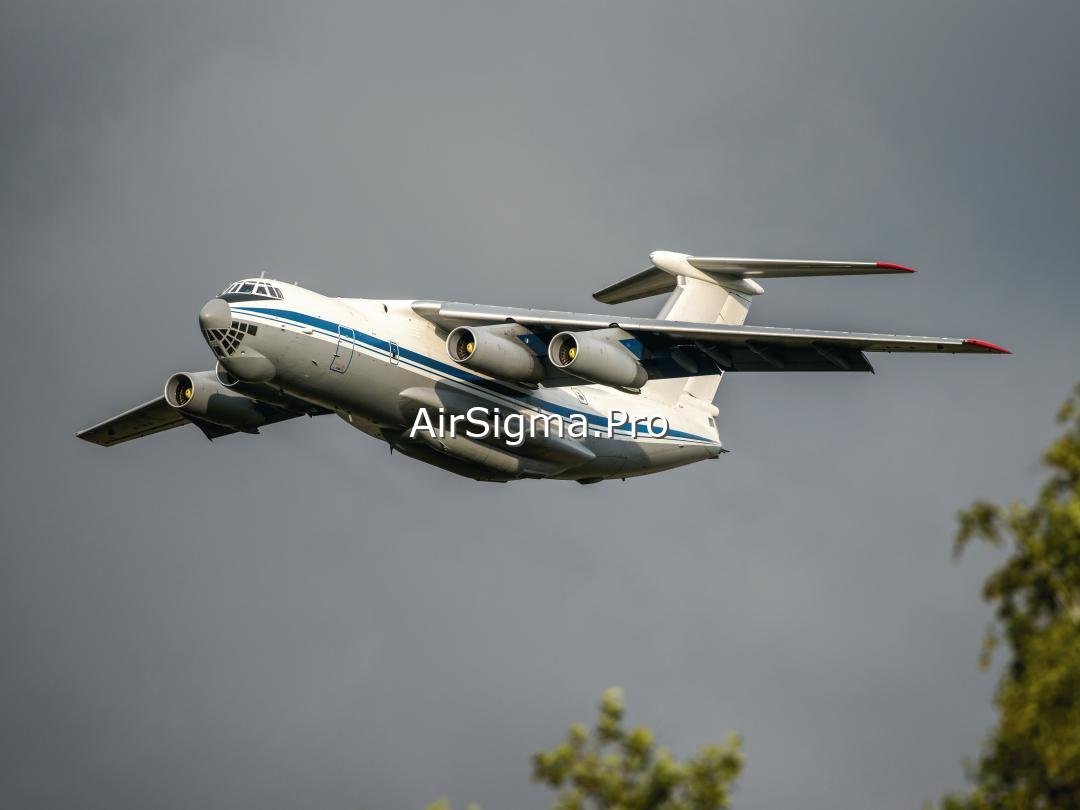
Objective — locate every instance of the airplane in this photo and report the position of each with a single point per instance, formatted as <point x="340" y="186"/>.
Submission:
<point x="639" y="390"/>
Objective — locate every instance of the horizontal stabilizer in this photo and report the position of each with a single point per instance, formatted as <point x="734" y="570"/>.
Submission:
<point x="739" y="274"/>
<point x="790" y="268"/>
<point x="645" y="284"/>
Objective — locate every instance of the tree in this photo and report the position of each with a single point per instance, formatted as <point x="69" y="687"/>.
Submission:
<point x="610" y="767"/>
<point x="1031" y="759"/>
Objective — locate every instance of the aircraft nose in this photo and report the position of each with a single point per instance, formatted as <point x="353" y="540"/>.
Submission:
<point x="215" y="314"/>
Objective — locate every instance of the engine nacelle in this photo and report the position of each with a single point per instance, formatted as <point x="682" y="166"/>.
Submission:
<point x="203" y="396"/>
<point x="495" y="350"/>
<point x="599" y="357"/>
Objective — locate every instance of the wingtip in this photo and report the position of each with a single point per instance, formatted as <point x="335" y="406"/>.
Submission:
<point x="990" y="347"/>
<point x="896" y="268"/>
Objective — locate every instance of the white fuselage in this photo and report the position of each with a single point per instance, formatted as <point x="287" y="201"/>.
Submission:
<point x="372" y="362"/>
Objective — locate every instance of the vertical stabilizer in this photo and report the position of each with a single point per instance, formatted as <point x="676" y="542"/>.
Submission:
<point x="695" y="296"/>
<point x="698" y="302"/>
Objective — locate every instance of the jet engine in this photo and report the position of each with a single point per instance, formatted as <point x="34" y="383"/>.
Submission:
<point x="598" y="356"/>
<point x="201" y="395"/>
<point x="495" y="350"/>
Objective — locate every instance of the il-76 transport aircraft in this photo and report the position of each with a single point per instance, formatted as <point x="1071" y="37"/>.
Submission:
<point x="635" y="395"/>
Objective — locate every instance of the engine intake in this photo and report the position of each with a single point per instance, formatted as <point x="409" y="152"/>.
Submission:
<point x="203" y="396"/>
<point x="496" y="351"/>
<point x="598" y="356"/>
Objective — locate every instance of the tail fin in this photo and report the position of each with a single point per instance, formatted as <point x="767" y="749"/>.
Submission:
<point x="715" y="290"/>
<point x="699" y="302"/>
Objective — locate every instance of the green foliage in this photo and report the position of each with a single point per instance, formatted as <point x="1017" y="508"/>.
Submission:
<point x="617" y="768"/>
<point x="444" y="804"/>
<point x="612" y="768"/>
<point x="1032" y="758"/>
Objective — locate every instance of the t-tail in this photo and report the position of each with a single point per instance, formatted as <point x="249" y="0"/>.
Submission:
<point x="705" y="289"/>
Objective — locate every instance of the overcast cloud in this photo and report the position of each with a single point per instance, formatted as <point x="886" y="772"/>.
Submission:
<point x="302" y="620"/>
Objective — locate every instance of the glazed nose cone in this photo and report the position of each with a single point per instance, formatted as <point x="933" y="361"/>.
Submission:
<point x="216" y="314"/>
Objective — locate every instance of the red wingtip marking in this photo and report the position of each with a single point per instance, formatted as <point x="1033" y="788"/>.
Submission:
<point x="899" y="268"/>
<point x="989" y="346"/>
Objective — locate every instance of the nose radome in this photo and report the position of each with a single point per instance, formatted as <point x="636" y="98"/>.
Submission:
<point x="215" y="314"/>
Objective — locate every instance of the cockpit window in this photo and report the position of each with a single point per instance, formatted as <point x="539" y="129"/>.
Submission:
<point x="252" y="289"/>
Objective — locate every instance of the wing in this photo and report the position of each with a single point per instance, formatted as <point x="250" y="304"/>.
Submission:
<point x="680" y="349"/>
<point x="149" y="418"/>
<point x="158" y="415"/>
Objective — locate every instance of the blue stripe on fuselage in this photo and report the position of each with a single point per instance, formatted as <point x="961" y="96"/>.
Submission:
<point x="493" y="386"/>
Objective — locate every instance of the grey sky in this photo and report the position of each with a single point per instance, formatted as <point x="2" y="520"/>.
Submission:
<point x="302" y="620"/>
